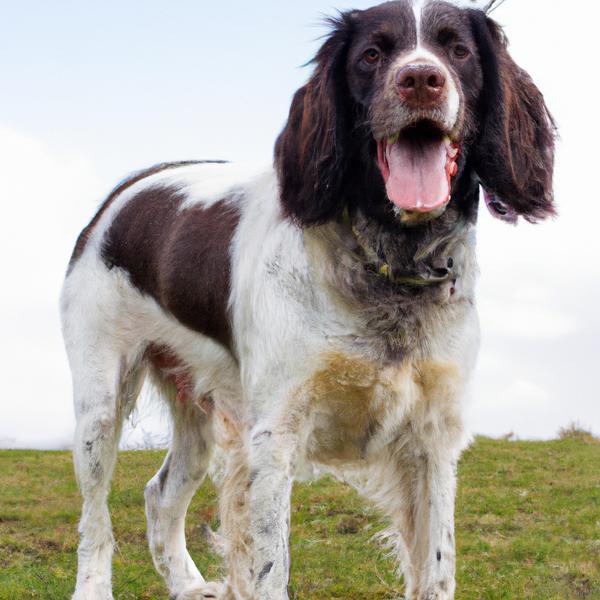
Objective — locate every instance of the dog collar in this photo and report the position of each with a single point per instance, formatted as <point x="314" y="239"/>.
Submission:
<point x="429" y="276"/>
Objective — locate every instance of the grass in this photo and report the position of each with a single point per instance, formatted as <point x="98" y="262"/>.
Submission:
<point x="528" y="526"/>
<point x="574" y="431"/>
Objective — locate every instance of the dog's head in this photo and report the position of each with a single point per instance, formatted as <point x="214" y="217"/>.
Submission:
<point x="406" y="103"/>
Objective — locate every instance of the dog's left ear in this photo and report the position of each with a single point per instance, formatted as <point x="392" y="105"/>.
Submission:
<point x="514" y="154"/>
<point x="310" y="153"/>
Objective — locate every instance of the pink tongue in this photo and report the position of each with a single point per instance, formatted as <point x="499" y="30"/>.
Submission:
<point x="417" y="179"/>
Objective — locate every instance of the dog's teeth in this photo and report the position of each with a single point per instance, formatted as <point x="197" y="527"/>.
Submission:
<point x="393" y="139"/>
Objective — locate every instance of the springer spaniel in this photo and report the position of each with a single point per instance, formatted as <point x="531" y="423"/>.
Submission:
<point x="320" y="312"/>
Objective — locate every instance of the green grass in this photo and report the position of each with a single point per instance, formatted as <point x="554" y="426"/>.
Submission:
<point x="528" y="526"/>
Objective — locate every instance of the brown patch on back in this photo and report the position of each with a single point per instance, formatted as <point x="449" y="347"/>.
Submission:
<point x="196" y="273"/>
<point x="181" y="258"/>
<point x="85" y="234"/>
<point x="137" y="239"/>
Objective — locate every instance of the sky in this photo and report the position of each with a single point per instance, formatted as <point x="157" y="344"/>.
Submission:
<point x="90" y="91"/>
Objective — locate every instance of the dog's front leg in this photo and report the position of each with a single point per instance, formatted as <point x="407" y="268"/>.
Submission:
<point x="272" y="459"/>
<point x="437" y="545"/>
<point x="417" y="491"/>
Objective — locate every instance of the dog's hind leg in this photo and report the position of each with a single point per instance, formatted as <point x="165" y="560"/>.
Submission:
<point x="168" y="495"/>
<point x="104" y="390"/>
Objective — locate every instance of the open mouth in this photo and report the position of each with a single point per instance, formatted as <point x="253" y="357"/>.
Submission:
<point x="418" y="165"/>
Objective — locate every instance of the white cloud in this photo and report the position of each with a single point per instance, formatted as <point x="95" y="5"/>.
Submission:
<point x="516" y="318"/>
<point x="521" y="406"/>
<point x="46" y="195"/>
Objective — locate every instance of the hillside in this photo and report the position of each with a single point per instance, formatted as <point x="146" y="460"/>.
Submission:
<point x="528" y="526"/>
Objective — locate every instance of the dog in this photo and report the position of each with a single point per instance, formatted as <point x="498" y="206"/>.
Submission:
<point x="321" y="312"/>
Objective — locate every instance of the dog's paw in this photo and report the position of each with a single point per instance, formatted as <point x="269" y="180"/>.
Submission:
<point x="92" y="595"/>
<point x="212" y="590"/>
<point x="436" y="594"/>
<point x="93" y="592"/>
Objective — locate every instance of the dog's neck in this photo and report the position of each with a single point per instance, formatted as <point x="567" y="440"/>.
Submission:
<point x="418" y="255"/>
<point x="394" y="281"/>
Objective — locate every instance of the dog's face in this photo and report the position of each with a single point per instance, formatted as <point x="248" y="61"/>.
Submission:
<point x="417" y="76"/>
<point x="407" y="102"/>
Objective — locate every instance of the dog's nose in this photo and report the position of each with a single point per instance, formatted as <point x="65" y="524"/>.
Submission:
<point x="420" y="85"/>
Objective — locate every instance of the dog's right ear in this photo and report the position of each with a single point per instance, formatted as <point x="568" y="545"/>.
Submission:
<point x="311" y="151"/>
<point x="514" y="154"/>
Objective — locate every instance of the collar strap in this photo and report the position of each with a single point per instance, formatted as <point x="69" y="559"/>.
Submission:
<point x="416" y="279"/>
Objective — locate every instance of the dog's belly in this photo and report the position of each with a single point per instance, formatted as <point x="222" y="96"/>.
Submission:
<point x="358" y="407"/>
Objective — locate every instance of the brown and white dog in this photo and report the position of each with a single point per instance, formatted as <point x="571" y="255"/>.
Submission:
<point x="319" y="312"/>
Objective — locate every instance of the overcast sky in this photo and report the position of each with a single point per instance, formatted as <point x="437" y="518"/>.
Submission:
<point x="90" y="91"/>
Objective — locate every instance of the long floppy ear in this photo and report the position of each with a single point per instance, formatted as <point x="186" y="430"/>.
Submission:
<point x="514" y="155"/>
<point x="311" y="151"/>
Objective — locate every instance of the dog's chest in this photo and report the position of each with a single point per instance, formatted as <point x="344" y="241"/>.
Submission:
<point x="358" y="407"/>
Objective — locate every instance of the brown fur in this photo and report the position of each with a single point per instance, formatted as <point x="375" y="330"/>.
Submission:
<point x="514" y="155"/>
<point x="351" y="400"/>
<point x="309" y="152"/>
<point x="342" y="393"/>
<point x="84" y="236"/>
<point x="179" y="257"/>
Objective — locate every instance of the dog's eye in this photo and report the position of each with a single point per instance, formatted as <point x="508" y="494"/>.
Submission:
<point x="461" y="51"/>
<point x="371" y="56"/>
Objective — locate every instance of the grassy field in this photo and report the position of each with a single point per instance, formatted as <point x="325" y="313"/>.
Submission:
<point x="528" y="526"/>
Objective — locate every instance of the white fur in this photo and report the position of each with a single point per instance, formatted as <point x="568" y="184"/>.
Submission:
<point x="418" y="6"/>
<point x="290" y="333"/>
<point x="421" y="54"/>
